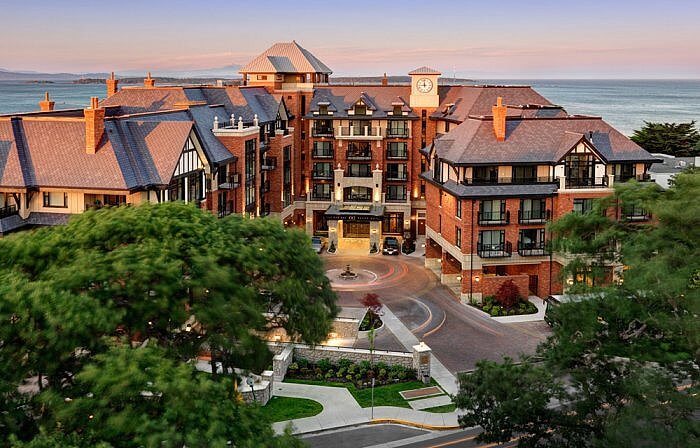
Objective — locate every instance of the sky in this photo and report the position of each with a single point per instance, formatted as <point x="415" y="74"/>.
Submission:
<point x="468" y="39"/>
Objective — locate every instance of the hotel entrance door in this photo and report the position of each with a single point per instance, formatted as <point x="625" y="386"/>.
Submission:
<point x="355" y="229"/>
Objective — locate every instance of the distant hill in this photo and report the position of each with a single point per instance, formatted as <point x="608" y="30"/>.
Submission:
<point x="8" y="75"/>
<point x="226" y="72"/>
<point x="373" y="80"/>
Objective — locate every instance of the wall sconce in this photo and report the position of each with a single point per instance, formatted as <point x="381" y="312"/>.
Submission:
<point x="477" y="279"/>
<point x="332" y="229"/>
<point x="459" y="278"/>
<point x="569" y="281"/>
<point x="373" y="230"/>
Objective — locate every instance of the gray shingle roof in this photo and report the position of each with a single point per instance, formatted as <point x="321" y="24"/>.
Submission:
<point x="379" y="99"/>
<point x="500" y="190"/>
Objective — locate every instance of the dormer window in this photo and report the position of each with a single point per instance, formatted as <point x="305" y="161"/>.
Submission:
<point x="360" y="109"/>
<point x="398" y="111"/>
<point x="323" y="109"/>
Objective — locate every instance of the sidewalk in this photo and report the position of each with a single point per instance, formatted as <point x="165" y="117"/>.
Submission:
<point x="340" y="410"/>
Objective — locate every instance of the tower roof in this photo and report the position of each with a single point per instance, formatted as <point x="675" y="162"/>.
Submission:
<point x="286" y="57"/>
<point x="424" y="71"/>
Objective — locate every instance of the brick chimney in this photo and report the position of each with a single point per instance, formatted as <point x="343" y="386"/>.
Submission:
<point x="47" y="104"/>
<point x="499" y="120"/>
<point x="385" y="80"/>
<point x="149" y="82"/>
<point x="112" y="85"/>
<point x="94" y="125"/>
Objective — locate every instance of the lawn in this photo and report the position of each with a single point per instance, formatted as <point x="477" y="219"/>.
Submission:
<point x="387" y="395"/>
<point x="442" y="409"/>
<point x="279" y="409"/>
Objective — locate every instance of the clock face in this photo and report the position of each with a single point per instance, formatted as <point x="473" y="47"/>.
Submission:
<point x="424" y="85"/>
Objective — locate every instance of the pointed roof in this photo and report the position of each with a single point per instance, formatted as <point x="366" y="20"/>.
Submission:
<point x="286" y="57"/>
<point x="424" y="71"/>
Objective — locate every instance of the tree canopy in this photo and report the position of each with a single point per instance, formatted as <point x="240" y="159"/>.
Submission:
<point x="675" y="139"/>
<point x="620" y="368"/>
<point x="103" y="317"/>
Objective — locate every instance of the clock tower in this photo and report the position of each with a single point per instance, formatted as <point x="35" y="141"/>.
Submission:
<point x="424" y="88"/>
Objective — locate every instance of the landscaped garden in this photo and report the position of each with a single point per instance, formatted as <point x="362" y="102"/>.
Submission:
<point x="280" y="409"/>
<point x="506" y="302"/>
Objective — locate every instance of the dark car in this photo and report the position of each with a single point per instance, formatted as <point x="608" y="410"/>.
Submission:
<point x="390" y="246"/>
<point x="554" y="301"/>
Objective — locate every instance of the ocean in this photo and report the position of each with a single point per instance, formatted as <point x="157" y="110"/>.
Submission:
<point x="625" y="104"/>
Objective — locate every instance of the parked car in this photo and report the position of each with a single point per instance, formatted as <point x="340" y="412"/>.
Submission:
<point x="390" y="246"/>
<point x="317" y="244"/>
<point x="554" y="301"/>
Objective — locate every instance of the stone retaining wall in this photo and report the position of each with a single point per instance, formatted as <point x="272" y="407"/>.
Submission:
<point x="356" y="355"/>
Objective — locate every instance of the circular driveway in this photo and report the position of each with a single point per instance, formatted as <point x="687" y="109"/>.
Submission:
<point x="458" y="334"/>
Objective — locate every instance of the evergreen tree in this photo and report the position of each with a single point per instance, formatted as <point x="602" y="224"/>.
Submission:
<point x="675" y="139"/>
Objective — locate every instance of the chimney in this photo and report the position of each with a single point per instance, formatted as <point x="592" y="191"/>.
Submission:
<point x="499" y="120"/>
<point x="112" y="85"/>
<point x="94" y="125"/>
<point x="47" y="104"/>
<point x="385" y="80"/>
<point x="149" y="82"/>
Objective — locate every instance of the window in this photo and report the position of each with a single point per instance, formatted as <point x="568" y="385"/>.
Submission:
<point x="303" y="105"/>
<point x="55" y="199"/>
<point x="359" y="150"/>
<point x="397" y="129"/>
<point x="579" y="170"/>
<point x="439" y="229"/>
<point x="359" y="170"/>
<point x="323" y="109"/>
<point x="358" y="194"/>
<point x="532" y="210"/>
<point x="524" y="174"/>
<point x="397" y="150"/>
<point x="582" y="205"/>
<point x="447" y="126"/>
<point x="396" y="171"/>
<point x="395" y="192"/>
<point x="250" y="175"/>
<point x="634" y="212"/>
<point x="322" y="170"/>
<point x="397" y="111"/>
<point x="392" y="223"/>
<point x="492" y="244"/>
<point x="624" y="172"/>
<point x="485" y="174"/>
<point x="261" y="77"/>
<point x="531" y="242"/>
<point x="322" y="149"/>
<point x="458" y="207"/>
<point x="287" y="176"/>
<point x="321" y="192"/>
<point x="458" y="236"/>
<point x="360" y="109"/>
<point x="492" y="212"/>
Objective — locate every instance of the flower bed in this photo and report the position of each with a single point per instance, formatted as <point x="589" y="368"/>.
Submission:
<point x="345" y="371"/>
<point x="370" y="322"/>
<point x="494" y="309"/>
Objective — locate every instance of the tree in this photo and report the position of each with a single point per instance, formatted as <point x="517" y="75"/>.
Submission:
<point x="676" y="139"/>
<point x="610" y="373"/>
<point x="170" y="276"/>
<point x="508" y="294"/>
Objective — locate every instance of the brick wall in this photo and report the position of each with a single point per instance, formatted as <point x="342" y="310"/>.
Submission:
<point x="489" y="284"/>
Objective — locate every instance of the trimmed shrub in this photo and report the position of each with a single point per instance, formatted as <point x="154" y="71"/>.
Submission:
<point x="293" y="367"/>
<point x="349" y="377"/>
<point x="508" y="295"/>
<point x="341" y="372"/>
<point x="324" y="364"/>
<point x="303" y="363"/>
<point x="344" y="362"/>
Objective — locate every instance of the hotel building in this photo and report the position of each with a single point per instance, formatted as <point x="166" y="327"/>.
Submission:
<point x="478" y="170"/>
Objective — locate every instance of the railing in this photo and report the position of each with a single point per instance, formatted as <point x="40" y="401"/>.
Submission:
<point x="362" y="131"/>
<point x="393" y="198"/>
<point x="531" y="249"/>
<point x="231" y="183"/>
<point x="321" y="197"/>
<point x="396" y="154"/>
<point x="645" y="177"/>
<point x="265" y="187"/>
<point x="635" y="214"/>
<point x="320" y="131"/>
<point x="587" y="182"/>
<point x="322" y="154"/>
<point x="322" y="175"/>
<point x="8" y="210"/>
<point x="356" y="155"/>
<point x="494" y="250"/>
<point x="357" y="198"/>
<point x="265" y="210"/>
<point x="534" y="216"/>
<point x="510" y="180"/>
<point x="362" y="173"/>
<point x="397" y="132"/>
<point x="493" y="218"/>
<point x="268" y="163"/>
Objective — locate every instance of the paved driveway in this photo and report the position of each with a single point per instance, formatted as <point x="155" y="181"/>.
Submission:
<point x="459" y="335"/>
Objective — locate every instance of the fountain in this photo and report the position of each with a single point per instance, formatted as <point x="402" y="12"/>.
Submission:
<point x="348" y="274"/>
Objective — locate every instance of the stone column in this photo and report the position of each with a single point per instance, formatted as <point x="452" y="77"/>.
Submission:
<point x="421" y="361"/>
<point x="333" y="232"/>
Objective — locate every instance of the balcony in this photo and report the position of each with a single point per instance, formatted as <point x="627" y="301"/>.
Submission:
<point x="509" y="180"/>
<point x="230" y="183"/>
<point x="396" y="176"/>
<point x="645" y="177"/>
<point x="322" y="131"/>
<point x="265" y="187"/>
<point x="493" y="218"/>
<point x="635" y="214"/>
<point x="534" y="216"/>
<point x="324" y="175"/>
<point x="268" y="164"/>
<point x="350" y="132"/>
<point x="529" y="249"/>
<point x="494" y="250"/>
<point x="8" y="210"/>
<point x="395" y="198"/>
<point x="322" y="153"/>
<point x="587" y="182"/>
<point x="321" y="196"/>
<point x="358" y="173"/>
<point x="396" y="155"/>
<point x="398" y="132"/>
<point x="358" y="155"/>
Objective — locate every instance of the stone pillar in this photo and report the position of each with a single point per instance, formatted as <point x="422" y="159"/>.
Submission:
<point x="375" y="231"/>
<point x="377" y="187"/>
<point x="421" y="361"/>
<point x="333" y="232"/>
<point x="338" y="176"/>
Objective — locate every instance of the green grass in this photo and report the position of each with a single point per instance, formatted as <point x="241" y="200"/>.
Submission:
<point x="279" y="409"/>
<point x="387" y="395"/>
<point x="442" y="409"/>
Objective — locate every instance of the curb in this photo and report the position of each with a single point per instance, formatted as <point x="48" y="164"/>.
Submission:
<point x="379" y="421"/>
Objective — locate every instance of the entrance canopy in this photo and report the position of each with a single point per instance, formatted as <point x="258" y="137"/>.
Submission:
<point x="355" y="212"/>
